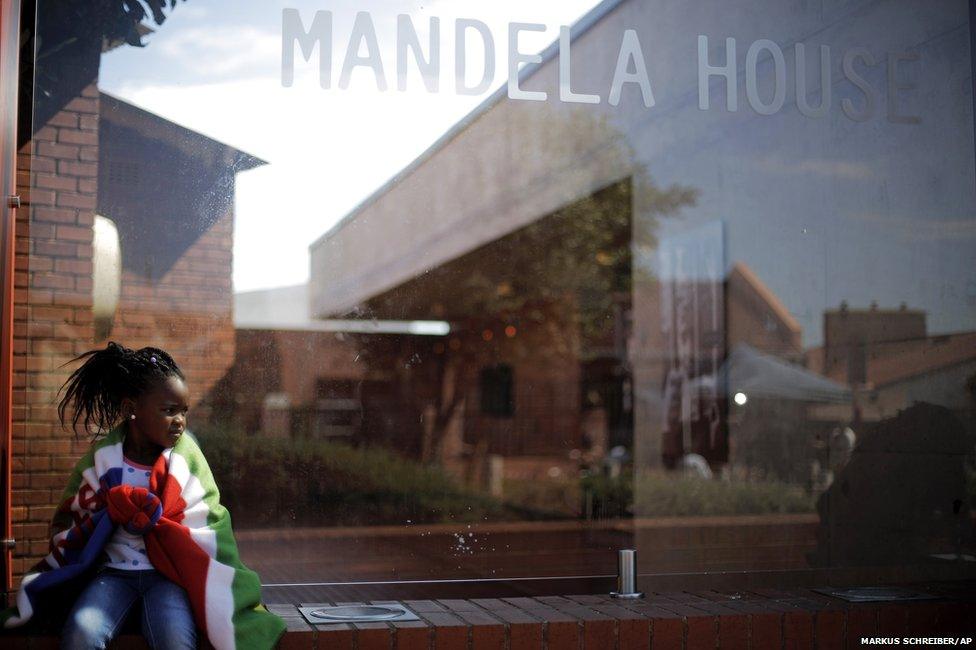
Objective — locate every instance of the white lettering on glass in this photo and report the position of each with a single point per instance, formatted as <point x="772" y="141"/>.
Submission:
<point x="707" y="70"/>
<point x="630" y="51"/>
<point x="430" y="68"/>
<point x="363" y="32"/>
<point x="765" y="63"/>
<point x="293" y="32"/>
<point x="566" y="93"/>
<point x="461" y="26"/>
<point x="802" y="104"/>
<point x="870" y="95"/>
<point x="752" y="75"/>
<point x="515" y="58"/>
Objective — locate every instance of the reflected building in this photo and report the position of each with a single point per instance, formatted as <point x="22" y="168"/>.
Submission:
<point x="128" y="237"/>
<point x="891" y="361"/>
<point x="659" y="274"/>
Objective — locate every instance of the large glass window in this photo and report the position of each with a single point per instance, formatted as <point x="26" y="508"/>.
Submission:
<point x="490" y="290"/>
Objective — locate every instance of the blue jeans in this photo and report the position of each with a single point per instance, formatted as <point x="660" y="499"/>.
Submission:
<point x="95" y="618"/>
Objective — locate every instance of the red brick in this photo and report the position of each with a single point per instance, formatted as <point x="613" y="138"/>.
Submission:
<point x="487" y="632"/>
<point x="60" y="215"/>
<point x="798" y="631"/>
<point x="830" y="625"/>
<point x="524" y="630"/>
<point x="57" y="151"/>
<point x="72" y="136"/>
<point x="69" y="120"/>
<point x="861" y="622"/>
<point x="88" y="122"/>
<point x="54" y="249"/>
<point x="562" y="634"/>
<point x="892" y="621"/>
<point x="701" y="632"/>
<point x="666" y="633"/>
<point x="733" y="631"/>
<point x="46" y="133"/>
<point x="525" y="636"/>
<point x="598" y="634"/>
<point x="74" y="233"/>
<point x="952" y="619"/>
<point x="79" y="201"/>
<point x="373" y="636"/>
<point x="82" y="105"/>
<point x="299" y="635"/>
<point x="450" y="633"/>
<point x="765" y="631"/>
<point x="51" y="182"/>
<point x="37" y="196"/>
<point x="412" y="635"/>
<point x="336" y="637"/>
<point x="42" y="165"/>
<point x="79" y="169"/>
<point x="46" y="280"/>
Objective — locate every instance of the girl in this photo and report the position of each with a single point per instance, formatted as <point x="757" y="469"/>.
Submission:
<point x="142" y="510"/>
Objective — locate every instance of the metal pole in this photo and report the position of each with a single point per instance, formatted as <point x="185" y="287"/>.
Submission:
<point x="627" y="575"/>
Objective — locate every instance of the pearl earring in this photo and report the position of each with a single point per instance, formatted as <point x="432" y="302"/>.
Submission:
<point x="132" y="417"/>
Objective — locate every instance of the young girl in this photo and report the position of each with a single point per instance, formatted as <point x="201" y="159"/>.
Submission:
<point x="141" y="519"/>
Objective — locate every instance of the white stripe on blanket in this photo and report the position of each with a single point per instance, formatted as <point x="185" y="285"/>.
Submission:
<point x="220" y="606"/>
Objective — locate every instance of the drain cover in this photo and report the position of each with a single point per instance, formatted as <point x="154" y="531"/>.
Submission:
<point x="324" y="614"/>
<point x="875" y="594"/>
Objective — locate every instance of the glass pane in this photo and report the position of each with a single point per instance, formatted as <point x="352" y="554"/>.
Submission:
<point x="494" y="290"/>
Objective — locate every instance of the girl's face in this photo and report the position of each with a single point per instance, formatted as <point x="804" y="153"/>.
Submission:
<point x="161" y="413"/>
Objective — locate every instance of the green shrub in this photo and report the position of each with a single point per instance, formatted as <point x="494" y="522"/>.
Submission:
<point x="670" y="495"/>
<point x="607" y="498"/>
<point x="280" y="481"/>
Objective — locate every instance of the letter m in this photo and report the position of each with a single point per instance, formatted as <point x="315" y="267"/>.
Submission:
<point x="293" y="31"/>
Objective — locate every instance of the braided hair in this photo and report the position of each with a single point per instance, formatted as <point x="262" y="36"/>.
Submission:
<point x="95" y="390"/>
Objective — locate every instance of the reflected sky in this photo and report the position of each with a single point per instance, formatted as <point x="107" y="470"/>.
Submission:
<point x="215" y="67"/>
<point x="824" y="210"/>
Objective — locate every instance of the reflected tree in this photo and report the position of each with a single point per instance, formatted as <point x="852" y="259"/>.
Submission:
<point x="560" y="276"/>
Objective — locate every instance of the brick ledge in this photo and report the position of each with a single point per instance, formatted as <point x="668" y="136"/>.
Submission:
<point x="757" y="618"/>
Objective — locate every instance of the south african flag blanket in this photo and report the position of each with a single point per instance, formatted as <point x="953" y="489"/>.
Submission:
<point x="187" y="533"/>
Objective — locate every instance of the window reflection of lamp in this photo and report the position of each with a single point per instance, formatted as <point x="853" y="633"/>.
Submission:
<point x="106" y="275"/>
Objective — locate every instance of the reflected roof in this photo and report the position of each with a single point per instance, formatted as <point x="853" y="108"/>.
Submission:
<point x="764" y="376"/>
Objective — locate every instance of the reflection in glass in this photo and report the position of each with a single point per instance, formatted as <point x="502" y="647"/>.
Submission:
<point x="735" y="332"/>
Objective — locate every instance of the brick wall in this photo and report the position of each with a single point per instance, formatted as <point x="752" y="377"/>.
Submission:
<point x="52" y="309"/>
<point x="187" y="311"/>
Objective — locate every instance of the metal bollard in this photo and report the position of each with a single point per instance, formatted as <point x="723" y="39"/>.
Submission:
<point x="627" y="575"/>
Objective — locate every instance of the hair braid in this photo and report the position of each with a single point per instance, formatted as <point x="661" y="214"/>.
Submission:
<point x="96" y="389"/>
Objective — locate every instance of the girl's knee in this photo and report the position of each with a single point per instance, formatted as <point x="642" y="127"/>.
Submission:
<point x="171" y="635"/>
<point x="87" y="627"/>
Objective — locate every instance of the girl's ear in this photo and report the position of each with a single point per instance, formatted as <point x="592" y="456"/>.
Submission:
<point x="128" y="407"/>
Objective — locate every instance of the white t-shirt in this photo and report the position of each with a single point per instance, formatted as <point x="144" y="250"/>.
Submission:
<point x="125" y="550"/>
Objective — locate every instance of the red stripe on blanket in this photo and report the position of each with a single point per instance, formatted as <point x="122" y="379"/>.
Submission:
<point x="174" y="554"/>
<point x="170" y="547"/>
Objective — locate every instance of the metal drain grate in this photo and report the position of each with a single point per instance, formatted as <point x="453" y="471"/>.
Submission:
<point x="329" y="614"/>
